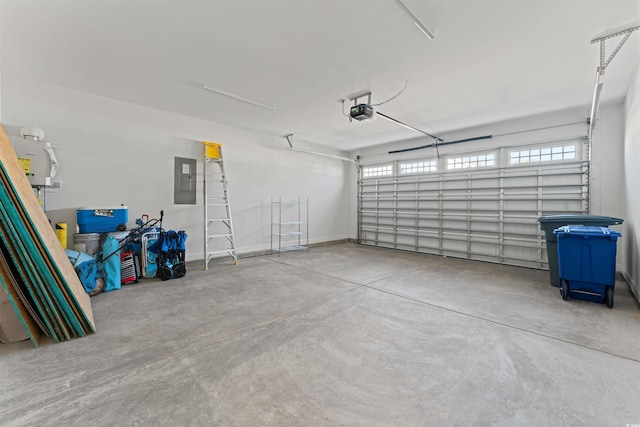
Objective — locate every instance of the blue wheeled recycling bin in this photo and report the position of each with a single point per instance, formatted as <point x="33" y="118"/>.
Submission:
<point x="548" y="223"/>
<point x="587" y="262"/>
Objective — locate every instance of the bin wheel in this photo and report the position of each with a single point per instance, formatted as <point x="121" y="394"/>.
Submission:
<point x="564" y="291"/>
<point x="609" y="296"/>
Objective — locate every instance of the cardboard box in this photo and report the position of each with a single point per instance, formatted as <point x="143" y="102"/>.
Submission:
<point x="11" y="329"/>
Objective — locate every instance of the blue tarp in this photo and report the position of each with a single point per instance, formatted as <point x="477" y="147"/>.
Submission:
<point x="87" y="268"/>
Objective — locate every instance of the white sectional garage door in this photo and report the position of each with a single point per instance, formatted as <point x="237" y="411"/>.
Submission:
<point x="481" y="205"/>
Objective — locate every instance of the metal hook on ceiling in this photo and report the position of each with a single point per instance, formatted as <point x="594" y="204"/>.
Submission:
<point x="289" y="138"/>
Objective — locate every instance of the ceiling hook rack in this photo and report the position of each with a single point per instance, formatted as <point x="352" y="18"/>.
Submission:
<point x="625" y="32"/>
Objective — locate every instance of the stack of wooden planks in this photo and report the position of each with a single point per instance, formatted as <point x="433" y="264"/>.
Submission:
<point x="36" y="274"/>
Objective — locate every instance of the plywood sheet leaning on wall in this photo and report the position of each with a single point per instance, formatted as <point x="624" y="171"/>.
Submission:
<point x="25" y="316"/>
<point x="16" y="288"/>
<point x="46" y="281"/>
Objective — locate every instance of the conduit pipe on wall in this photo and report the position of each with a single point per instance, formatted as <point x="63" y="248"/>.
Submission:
<point x="478" y="138"/>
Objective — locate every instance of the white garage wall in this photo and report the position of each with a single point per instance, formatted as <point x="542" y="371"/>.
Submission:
<point x="113" y="153"/>
<point x="607" y="176"/>
<point x="631" y="239"/>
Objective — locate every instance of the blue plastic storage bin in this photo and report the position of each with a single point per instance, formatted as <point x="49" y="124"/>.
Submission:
<point x="587" y="262"/>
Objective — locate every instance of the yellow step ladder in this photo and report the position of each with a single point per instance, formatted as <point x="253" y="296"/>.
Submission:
<point x="218" y="227"/>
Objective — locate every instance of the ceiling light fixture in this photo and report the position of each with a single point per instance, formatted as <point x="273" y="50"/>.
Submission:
<point x="427" y="32"/>
<point x="238" y="98"/>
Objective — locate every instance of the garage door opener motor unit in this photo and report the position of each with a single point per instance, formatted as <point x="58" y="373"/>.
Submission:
<point x="361" y="112"/>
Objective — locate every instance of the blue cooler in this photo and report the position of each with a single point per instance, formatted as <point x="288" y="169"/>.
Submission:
<point x="587" y="262"/>
<point x="102" y="219"/>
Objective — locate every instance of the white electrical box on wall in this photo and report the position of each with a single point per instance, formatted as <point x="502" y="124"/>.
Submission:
<point x="37" y="159"/>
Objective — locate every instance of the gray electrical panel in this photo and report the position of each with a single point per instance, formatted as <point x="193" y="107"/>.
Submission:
<point x="184" y="180"/>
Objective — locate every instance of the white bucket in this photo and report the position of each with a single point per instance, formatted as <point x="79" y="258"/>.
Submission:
<point x="88" y="242"/>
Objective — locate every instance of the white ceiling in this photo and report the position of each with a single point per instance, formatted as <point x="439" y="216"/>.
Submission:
<point x="490" y="60"/>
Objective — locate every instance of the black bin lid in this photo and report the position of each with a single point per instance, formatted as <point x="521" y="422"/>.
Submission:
<point x="580" y="219"/>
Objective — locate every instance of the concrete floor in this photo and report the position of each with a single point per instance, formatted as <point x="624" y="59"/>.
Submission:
<point x="341" y="335"/>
